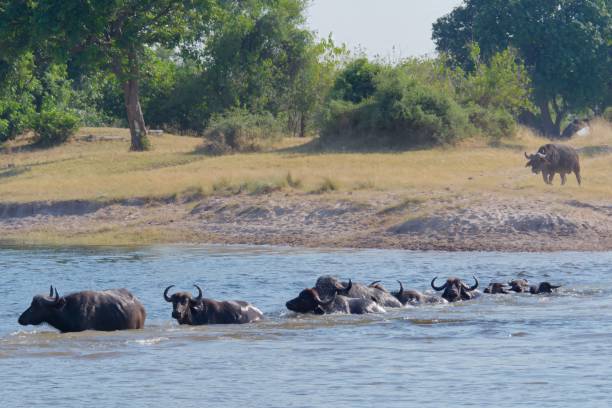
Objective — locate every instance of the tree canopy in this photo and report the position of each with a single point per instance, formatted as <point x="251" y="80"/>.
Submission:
<point x="565" y="44"/>
<point x="100" y="34"/>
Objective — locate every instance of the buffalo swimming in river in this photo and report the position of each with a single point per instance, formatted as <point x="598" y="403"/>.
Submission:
<point x="309" y="301"/>
<point x="197" y="311"/>
<point x="455" y="290"/>
<point x="113" y="309"/>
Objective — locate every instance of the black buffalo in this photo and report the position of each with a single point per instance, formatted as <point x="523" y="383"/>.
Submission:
<point x="409" y="296"/>
<point x="455" y="290"/>
<point x="114" y="309"/>
<point x="496" y="288"/>
<point x="309" y="301"/>
<point x="519" y="285"/>
<point x="197" y="311"/>
<point x="554" y="158"/>
<point x="327" y="286"/>
<point x="543" y="287"/>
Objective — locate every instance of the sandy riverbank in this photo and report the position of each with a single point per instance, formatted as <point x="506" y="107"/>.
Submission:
<point x="346" y="220"/>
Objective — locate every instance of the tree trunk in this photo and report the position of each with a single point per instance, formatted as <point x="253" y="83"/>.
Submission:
<point x="138" y="131"/>
<point x="302" y="124"/>
<point x="548" y="127"/>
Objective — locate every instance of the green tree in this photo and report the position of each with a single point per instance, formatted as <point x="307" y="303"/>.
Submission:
<point x="108" y="35"/>
<point x="565" y="45"/>
<point x="356" y="81"/>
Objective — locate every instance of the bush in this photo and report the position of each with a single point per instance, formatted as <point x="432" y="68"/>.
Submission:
<point x="494" y="124"/>
<point x="243" y="131"/>
<point x="607" y="114"/>
<point x="402" y="112"/>
<point x="54" y="127"/>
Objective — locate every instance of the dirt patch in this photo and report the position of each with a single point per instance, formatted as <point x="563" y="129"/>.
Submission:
<point x="338" y="220"/>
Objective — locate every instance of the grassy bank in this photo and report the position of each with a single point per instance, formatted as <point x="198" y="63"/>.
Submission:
<point x="470" y="196"/>
<point x="98" y="166"/>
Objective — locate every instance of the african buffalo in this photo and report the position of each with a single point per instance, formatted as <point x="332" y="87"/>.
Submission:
<point x="327" y="286"/>
<point x="187" y="310"/>
<point x="543" y="287"/>
<point x="113" y="309"/>
<point x="309" y="301"/>
<point x="455" y="290"/>
<point x="519" y="285"/>
<point x="554" y="158"/>
<point x="496" y="288"/>
<point x="409" y="296"/>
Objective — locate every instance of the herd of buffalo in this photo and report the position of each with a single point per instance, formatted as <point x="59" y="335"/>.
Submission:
<point x="118" y="309"/>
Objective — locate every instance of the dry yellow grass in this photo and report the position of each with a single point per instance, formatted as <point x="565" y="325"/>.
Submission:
<point x="104" y="169"/>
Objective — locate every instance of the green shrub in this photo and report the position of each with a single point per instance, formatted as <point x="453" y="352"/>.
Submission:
<point x="401" y="113"/>
<point x="494" y="124"/>
<point x="54" y="127"/>
<point x="243" y="131"/>
<point x="607" y="114"/>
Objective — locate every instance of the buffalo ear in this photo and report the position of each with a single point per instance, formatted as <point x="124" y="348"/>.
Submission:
<point x="60" y="303"/>
<point x="528" y="164"/>
<point x="194" y="304"/>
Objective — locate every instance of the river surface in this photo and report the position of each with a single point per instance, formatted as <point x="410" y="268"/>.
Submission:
<point x="499" y="351"/>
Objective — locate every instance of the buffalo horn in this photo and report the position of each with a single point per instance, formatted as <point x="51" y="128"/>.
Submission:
<point x="51" y="291"/>
<point x="168" y="299"/>
<point x="401" y="291"/>
<point x="527" y="157"/>
<point x="199" y="293"/>
<point x="374" y="283"/>
<point x="474" y="286"/>
<point x="326" y="302"/>
<point x="438" y="288"/>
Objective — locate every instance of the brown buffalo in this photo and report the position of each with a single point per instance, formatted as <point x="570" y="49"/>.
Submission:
<point x="113" y="309"/>
<point x="554" y="158"/>
<point x="455" y="290"/>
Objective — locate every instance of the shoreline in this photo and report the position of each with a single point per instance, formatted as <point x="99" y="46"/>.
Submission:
<point x="337" y="220"/>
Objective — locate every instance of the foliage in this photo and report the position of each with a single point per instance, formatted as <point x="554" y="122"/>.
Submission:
<point x="54" y="127"/>
<point x="242" y="131"/>
<point x="356" y="82"/>
<point x="401" y="112"/>
<point x="98" y="34"/>
<point x="607" y="114"/>
<point x="564" y="44"/>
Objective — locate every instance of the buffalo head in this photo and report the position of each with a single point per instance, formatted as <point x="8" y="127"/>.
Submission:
<point x="308" y="301"/>
<point x="536" y="161"/>
<point x="519" y="285"/>
<point x="42" y="308"/>
<point x="543" y="287"/>
<point x="454" y="289"/>
<point x="183" y="304"/>
<point x="496" y="288"/>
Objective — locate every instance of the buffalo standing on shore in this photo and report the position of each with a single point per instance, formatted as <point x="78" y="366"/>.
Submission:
<point x="114" y="309"/>
<point x="198" y="310"/>
<point x="554" y="158"/>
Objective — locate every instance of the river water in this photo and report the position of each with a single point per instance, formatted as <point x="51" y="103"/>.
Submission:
<point x="501" y="351"/>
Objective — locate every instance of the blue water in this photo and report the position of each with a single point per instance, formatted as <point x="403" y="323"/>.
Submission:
<point x="502" y="351"/>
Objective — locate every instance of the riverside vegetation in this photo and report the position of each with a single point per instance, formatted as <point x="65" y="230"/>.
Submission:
<point x="275" y="136"/>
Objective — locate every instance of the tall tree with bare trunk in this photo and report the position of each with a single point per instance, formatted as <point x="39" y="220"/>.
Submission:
<point x="104" y="34"/>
